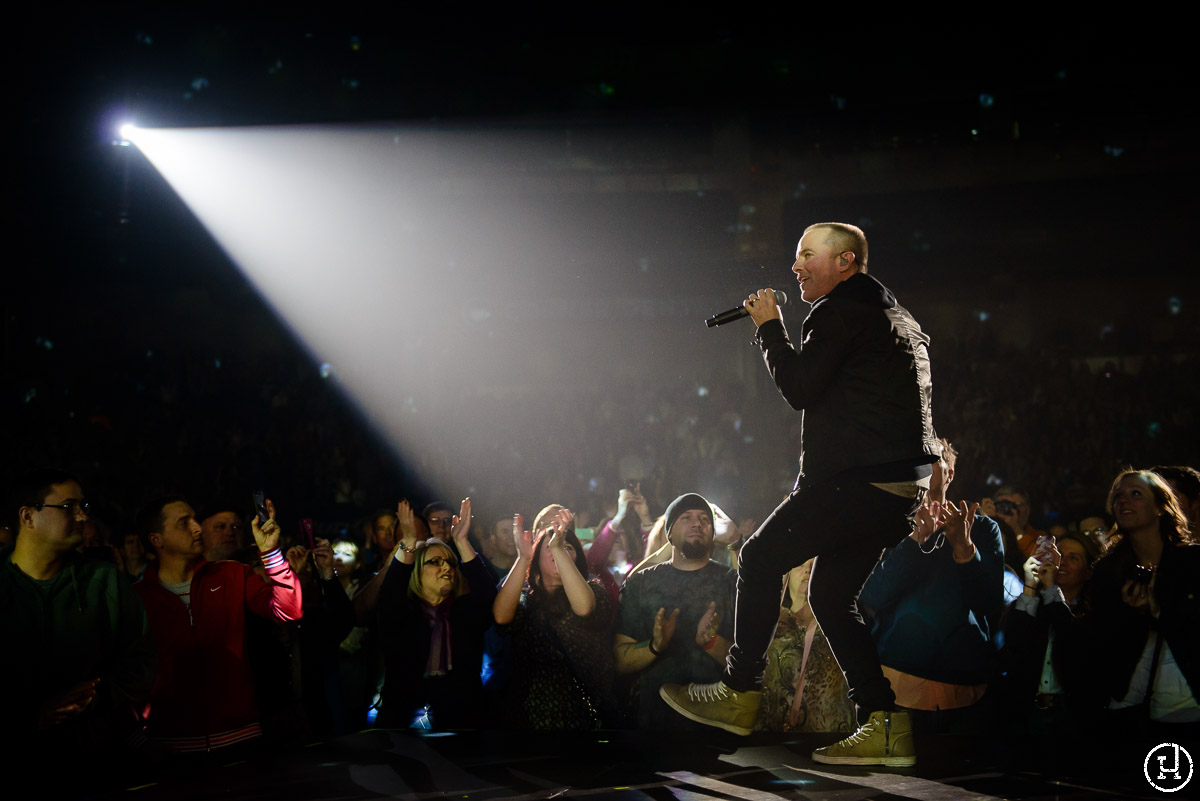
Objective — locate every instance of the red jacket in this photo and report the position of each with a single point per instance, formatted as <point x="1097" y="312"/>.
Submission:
<point x="203" y="697"/>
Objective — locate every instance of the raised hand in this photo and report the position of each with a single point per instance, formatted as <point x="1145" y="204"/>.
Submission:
<point x="763" y="306"/>
<point x="558" y="529"/>
<point x="266" y="535"/>
<point x="406" y="522"/>
<point x="462" y="523"/>
<point x="1033" y="569"/>
<point x="297" y="557"/>
<point x="709" y="623"/>
<point x="523" y="538"/>
<point x="322" y="556"/>
<point x="928" y="521"/>
<point x="664" y="629"/>
<point x="637" y="502"/>
<point x="957" y="520"/>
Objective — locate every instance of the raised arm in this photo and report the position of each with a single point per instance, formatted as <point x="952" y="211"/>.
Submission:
<point x="280" y="597"/>
<point x="504" y="608"/>
<point x="579" y="594"/>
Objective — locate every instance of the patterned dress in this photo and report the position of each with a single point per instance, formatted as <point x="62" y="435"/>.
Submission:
<point x="562" y="664"/>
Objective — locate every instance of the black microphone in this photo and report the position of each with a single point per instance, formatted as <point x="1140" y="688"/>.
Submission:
<point x="739" y="312"/>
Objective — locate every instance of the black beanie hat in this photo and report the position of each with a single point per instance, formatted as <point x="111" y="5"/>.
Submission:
<point x="685" y="503"/>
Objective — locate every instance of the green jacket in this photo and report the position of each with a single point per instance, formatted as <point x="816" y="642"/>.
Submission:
<point x="85" y="623"/>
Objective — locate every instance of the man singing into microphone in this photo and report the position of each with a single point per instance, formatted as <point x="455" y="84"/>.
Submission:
<point x="860" y="378"/>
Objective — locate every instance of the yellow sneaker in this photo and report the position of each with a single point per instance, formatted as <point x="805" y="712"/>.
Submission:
<point x="714" y="705"/>
<point x="885" y="739"/>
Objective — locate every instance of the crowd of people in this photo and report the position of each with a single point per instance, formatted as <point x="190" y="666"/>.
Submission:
<point x="181" y="638"/>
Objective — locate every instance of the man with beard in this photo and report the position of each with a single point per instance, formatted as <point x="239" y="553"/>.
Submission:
<point x="674" y="622"/>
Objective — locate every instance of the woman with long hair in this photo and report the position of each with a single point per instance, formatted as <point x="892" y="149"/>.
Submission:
<point x="435" y="605"/>
<point x="1146" y="610"/>
<point x="558" y="619"/>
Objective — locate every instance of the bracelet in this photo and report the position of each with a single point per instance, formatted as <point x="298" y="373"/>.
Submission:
<point x="651" y="647"/>
<point x="405" y="548"/>
<point x="711" y="643"/>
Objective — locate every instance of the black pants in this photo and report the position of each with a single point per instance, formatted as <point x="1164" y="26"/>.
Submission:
<point x="846" y="525"/>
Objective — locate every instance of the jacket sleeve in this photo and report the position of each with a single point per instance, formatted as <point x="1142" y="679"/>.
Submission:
<point x="803" y="376"/>
<point x="279" y="599"/>
<point x="597" y="555"/>
<point x="136" y="659"/>
<point x="981" y="580"/>
<point x="1114" y="633"/>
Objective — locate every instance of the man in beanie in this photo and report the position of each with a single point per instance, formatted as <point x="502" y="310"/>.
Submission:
<point x="860" y="375"/>
<point x="675" y="619"/>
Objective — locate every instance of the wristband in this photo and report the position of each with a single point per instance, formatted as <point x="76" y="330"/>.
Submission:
<point x="651" y="647"/>
<point x="711" y="643"/>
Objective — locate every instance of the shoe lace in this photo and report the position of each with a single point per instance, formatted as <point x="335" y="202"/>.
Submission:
<point x="863" y="733"/>
<point x="708" y="692"/>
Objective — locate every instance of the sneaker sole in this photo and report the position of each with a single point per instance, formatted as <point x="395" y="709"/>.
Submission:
<point x="729" y="727"/>
<point x="890" y="762"/>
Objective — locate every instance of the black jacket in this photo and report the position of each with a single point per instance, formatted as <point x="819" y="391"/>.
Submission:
<point x="861" y="380"/>
<point x="1118" y="632"/>
<point x="456" y="700"/>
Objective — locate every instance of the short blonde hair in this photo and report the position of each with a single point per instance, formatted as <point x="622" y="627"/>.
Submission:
<point x="416" y="584"/>
<point x="848" y="237"/>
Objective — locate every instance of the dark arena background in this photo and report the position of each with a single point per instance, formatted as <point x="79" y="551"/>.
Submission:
<point x="439" y="254"/>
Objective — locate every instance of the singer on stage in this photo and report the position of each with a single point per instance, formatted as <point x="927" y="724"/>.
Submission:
<point x="859" y="375"/>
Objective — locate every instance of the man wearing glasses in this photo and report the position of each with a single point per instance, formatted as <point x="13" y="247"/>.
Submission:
<point x="76" y="654"/>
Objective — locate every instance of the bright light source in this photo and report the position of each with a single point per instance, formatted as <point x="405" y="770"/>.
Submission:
<point x="127" y="131"/>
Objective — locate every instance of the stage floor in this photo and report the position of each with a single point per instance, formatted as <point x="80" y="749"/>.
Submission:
<point x="634" y="765"/>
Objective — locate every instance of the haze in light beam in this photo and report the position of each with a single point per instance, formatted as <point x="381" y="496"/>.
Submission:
<point x="407" y="261"/>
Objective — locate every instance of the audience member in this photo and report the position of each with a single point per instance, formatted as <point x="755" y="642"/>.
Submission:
<point x="1011" y="506"/>
<point x="936" y="599"/>
<point x="558" y="619"/>
<point x="675" y="623"/>
<point x="133" y="556"/>
<point x="204" y="697"/>
<point x="1145" y="613"/>
<point x="1048" y="680"/>
<point x="502" y="551"/>
<point x="224" y="534"/>
<point x="436" y="604"/>
<point x="328" y="619"/>
<point x="77" y="659"/>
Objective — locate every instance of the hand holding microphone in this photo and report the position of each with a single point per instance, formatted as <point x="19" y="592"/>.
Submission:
<point x="763" y="305"/>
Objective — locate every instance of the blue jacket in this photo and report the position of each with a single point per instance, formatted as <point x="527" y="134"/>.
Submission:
<point x="935" y="618"/>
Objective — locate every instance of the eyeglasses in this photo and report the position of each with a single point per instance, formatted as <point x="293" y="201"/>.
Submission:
<point x="438" y="561"/>
<point x="439" y="521"/>
<point x="74" y="507"/>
